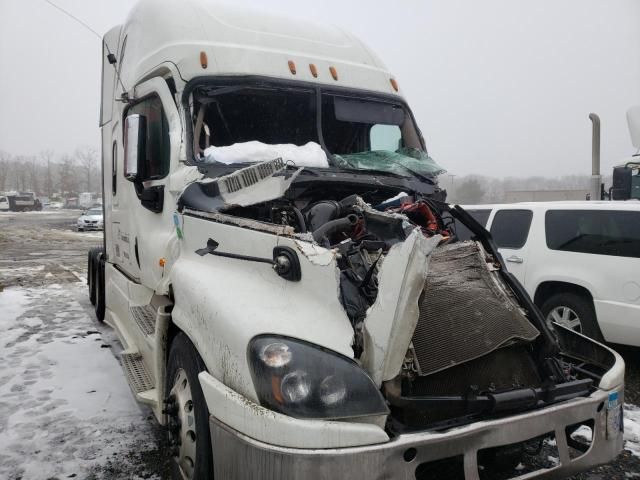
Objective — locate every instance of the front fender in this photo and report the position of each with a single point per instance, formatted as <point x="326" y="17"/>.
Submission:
<point x="222" y="303"/>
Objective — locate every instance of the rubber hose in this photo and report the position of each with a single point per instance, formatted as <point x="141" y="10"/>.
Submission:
<point x="334" y="226"/>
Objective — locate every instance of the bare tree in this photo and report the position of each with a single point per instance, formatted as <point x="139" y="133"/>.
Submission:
<point x="69" y="182"/>
<point x="5" y="161"/>
<point x="46" y="156"/>
<point x="19" y="173"/>
<point x="88" y="160"/>
<point x="469" y="191"/>
<point x="33" y="175"/>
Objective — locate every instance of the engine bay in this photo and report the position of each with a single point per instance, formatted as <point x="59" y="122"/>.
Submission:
<point x="480" y="348"/>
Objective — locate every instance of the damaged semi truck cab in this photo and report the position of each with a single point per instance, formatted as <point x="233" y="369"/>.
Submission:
<point x="283" y="273"/>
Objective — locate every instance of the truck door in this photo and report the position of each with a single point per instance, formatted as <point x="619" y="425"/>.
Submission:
<point x="510" y="230"/>
<point x="144" y="221"/>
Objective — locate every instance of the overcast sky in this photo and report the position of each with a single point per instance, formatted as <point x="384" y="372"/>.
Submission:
<point x="499" y="87"/>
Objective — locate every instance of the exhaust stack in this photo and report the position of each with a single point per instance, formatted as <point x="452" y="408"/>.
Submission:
<point x="596" y="178"/>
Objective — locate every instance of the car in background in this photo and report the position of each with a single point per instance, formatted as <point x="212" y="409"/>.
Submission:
<point x="4" y="204"/>
<point x="579" y="261"/>
<point x="91" y="219"/>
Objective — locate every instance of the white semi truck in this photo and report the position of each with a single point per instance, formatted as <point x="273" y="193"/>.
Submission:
<point x="282" y="271"/>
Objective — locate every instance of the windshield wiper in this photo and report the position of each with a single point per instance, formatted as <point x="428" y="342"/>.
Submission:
<point x="372" y="171"/>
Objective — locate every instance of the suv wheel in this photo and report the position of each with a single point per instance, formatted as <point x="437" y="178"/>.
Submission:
<point x="574" y="312"/>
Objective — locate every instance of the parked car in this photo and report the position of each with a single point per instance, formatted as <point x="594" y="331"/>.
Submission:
<point x="579" y="261"/>
<point x="91" y="220"/>
<point x="4" y="204"/>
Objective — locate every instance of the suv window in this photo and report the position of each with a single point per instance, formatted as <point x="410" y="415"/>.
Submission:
<point x="481" y="216"/>
<point x="157" y="146"/>
<point x="510" y="228"/>
<point x="600" y="232"/>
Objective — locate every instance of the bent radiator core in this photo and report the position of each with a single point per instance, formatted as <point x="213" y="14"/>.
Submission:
<point x="466" y="311"/>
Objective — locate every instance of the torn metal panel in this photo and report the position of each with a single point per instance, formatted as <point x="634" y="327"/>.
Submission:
<point x="250" y="185"/>
<point x="242" y="222"/>
<point x="391" y="320"/>
<point x="316" y="254"/>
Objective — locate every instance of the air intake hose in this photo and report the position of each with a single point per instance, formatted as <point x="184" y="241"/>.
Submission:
<point x="322" y="234"/>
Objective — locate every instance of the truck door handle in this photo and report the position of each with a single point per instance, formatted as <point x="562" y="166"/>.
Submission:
<point x="515" y="259"/>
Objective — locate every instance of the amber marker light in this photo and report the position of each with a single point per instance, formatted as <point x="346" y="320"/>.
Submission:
<point x="203" y="59"/>
<point x="314" y="70"/>
<point x="394" y="84"/>
<point x="292" y="67"/>
<point x="162" y="262"/>
<point x="334" y="73"/>
<point x="275" y="389"/>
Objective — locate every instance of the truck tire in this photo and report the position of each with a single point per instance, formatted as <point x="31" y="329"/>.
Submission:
<point x="573" y="311"/>
<point x="187" y="413"/>
<point x="99" y="288"/>
<point x="91" y="284"/>
<point x="92" y="260"/>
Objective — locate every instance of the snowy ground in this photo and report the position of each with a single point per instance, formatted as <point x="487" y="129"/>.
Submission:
<point x="66" y="410"/>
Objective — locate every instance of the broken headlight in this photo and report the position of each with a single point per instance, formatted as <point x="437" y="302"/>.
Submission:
<point x="306" y="381"/>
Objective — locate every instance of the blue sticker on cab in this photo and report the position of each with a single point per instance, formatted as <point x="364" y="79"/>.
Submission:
<point x="614" y="400"/>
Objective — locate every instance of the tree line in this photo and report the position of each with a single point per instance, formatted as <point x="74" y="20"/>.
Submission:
<point x="50" y="174"/>
<point x="474" y="189"/>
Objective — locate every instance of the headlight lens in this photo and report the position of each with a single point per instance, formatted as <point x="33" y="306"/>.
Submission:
<point x="306" y="381"/>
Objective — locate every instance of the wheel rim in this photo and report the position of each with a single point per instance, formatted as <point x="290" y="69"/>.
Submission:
<point x="182" y="424"/>
<point x="566" y="317"/>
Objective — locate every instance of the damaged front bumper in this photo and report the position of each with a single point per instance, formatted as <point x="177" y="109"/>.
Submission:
<point x="237" y="456"/>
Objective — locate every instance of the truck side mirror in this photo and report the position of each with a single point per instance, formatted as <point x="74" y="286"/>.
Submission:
<point x="621" y="189"/>
<point x="135" y="134"/>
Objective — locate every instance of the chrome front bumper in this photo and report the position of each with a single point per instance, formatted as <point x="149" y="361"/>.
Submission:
<point x="238" y="457"/>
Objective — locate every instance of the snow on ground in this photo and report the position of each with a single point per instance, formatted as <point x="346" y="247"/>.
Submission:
<point x="86" y="234"/>
<point x="65" y="407"/>
<point x="5" y="213"/>
<point x="632" y="429"/>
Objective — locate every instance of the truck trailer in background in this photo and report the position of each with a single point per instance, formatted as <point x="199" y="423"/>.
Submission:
<point x="23" y="201"/>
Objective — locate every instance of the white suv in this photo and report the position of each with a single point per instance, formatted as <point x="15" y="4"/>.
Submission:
<point x="579" y="261"/>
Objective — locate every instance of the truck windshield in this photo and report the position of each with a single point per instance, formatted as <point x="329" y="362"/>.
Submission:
<point x="348" y="131"/>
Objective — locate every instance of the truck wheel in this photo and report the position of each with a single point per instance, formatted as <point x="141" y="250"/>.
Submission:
<point x="187" y="414"/>
<point x="572" y="311"/>
<point x="99" y="288"/>
<point x="90" y="280"/>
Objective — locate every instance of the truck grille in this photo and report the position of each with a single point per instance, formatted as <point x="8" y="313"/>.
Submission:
<point x="250" y="175"/>
<point x="465" y="313"/>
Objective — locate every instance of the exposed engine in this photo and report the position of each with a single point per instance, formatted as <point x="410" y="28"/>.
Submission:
<point x="480" y="347"/>
<point x="360" y="234"/>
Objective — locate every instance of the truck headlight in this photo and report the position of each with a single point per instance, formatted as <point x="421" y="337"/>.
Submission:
<point x="306" y="381"/>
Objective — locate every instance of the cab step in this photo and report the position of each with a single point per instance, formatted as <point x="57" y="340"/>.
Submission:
<point x="145" y="318"/>
<point x="137" y="375"/>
